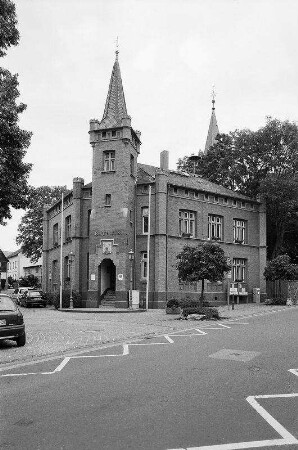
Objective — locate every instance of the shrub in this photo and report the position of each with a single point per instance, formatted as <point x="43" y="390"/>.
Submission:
<point x="209" y="313"/>
<point x="77" y="299"/>
<point x="275" y="301"/>
<point x="173" y="303"/>
<point x="188" y="303"/>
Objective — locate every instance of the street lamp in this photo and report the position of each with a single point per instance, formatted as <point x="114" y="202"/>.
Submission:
<point x="131" y="258"/>
<point x="71" y="258"/>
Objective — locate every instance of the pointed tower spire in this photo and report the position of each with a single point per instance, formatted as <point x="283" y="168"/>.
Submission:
<point x="213" y="128"/>
<point x="115" y="108"/>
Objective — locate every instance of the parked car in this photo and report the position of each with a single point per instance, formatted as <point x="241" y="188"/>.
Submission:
<point x="11" y="321"/>
<point x="32" y="298"/>
<point x="18" y="292"/>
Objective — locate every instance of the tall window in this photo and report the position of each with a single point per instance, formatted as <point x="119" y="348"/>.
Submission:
<point x="55" y="271"/>
<point x="145" y="223"/>
<point x="66" y="267"/>
<point x="239" y="230"/>
<point x="144" y="261"/>
<point x="186" y="223"/>
<point x="132" y="165"/>
<point x="215" y="227"/>
<point x="239" y="269"/>
<point x="88" y="222"/>
<point x="55" y="234"/>
<point x="68" y="228"/>
<point x="109" y="161"/>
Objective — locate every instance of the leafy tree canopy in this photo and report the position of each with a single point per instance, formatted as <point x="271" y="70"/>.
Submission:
<point x="261" y="162"/>
<point x="205" y="262"/>
<point x="30" y="230"/>
<point x="280" y="268"/>
<point x="14" y="141"/>
<point x="9" y="34"/>
<point x="29" y="281"/>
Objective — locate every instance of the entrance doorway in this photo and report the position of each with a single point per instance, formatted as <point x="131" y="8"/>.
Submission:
<point x="106" y="277"/>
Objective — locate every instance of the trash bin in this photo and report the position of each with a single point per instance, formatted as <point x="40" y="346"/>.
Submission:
<point x="256" y="293"/>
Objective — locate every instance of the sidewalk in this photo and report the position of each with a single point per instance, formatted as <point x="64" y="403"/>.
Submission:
<point x="55" y="333"/>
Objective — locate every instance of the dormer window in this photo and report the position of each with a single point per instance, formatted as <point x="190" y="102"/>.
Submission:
<point x="109" y="161"/>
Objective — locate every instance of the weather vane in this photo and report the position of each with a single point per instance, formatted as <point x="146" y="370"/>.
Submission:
<point x="117" y="47"/>
<point x="213" y="95"/>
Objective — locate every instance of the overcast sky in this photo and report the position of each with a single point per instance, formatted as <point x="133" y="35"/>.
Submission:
<point x="172" y="52"/>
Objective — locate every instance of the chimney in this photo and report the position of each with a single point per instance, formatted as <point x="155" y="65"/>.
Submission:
<point x="164" y="160"/>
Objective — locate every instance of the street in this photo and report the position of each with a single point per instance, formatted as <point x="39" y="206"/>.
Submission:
<point x="214" y="385"/>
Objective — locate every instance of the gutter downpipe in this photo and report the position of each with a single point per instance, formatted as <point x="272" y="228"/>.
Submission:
<point x="148" y="249"/>
<point x="167" y="208"/>
<point x="61" y="250"/>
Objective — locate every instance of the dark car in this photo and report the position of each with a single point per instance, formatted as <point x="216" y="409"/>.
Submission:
<point x="11" y="321"/>
<point x="32" y="298"/>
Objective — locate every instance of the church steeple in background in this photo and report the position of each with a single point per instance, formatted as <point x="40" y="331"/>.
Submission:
<point x="213" y="127"/>
<point x="115" y="107"/>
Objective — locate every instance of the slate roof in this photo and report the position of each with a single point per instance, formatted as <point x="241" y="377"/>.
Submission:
<point x="15" y="253"/>
<point x="212" y="131"/>
<point x="115" y="108"/>
<point x="147" y="173"/>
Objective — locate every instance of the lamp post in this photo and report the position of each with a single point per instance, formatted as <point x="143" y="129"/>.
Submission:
<point x="71" y="258"/>
<point x="131" y="258"/>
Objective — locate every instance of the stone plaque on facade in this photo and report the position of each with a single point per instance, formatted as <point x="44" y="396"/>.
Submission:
<point x="107" y="247"/>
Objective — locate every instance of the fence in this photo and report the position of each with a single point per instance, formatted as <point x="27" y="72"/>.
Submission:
<point x="282" y="289"/>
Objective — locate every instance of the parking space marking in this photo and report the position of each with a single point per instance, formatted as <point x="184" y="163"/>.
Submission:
<point x="169" y="337"/>
<point x="294" y="371"/>
<point x="286" y="437"/>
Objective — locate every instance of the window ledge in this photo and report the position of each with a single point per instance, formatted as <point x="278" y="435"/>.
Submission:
<point x="108" y="171"/>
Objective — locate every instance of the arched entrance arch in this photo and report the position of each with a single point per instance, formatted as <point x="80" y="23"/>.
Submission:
<point x="106" y="277"/>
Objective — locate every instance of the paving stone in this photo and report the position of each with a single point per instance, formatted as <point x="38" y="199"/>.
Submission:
<point x="51" y="332"/>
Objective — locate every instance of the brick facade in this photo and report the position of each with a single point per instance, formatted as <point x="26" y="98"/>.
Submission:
<point x="107" y="221"/>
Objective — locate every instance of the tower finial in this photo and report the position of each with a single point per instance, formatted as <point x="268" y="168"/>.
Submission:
<point x="117" y="47"/>
<point x="213" y="94"/>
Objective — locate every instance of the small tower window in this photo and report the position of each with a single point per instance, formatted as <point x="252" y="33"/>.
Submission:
<point x="113" y="133"/>
<point x="109" y="161"/>
<point x="104" y="134"/>
<point x="108" y="200"/>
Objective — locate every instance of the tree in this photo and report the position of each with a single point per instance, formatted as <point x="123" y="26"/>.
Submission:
<point x="30" y="230"/>
<point x="29" y="281"/>
<point x="9" y="34"/>
<point x="280" y="268"/>
<point x="14" y="141"/>
<point x="261" y="162"/>
<point x="205" y="262"/>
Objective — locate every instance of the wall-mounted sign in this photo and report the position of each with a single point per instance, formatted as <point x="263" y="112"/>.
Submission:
<point x="233" y="291"/>
<point x="108" y="233"/>
<point x="92" y="277"/>
<point x="120" y="276"/>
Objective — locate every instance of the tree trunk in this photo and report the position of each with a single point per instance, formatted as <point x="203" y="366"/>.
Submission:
<point x="202" y="293"/>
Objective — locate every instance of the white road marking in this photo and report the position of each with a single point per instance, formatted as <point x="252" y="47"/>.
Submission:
<point x="169" y="337"/>
<point x="287" y="437"/>
<point x="294" y="371"/>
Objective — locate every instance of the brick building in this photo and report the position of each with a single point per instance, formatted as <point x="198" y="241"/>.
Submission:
<point x="103" y="222"/>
